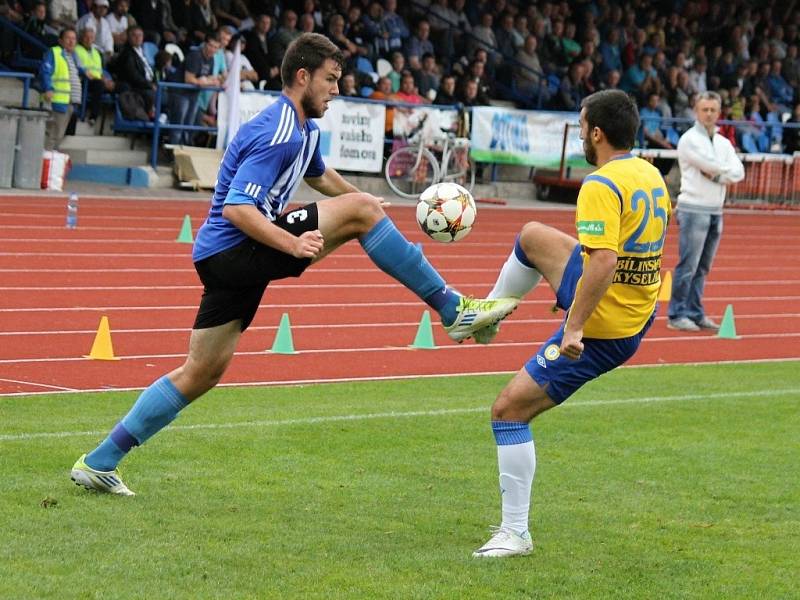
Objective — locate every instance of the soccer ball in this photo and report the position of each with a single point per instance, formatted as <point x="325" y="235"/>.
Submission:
<point x="446" y="212"/>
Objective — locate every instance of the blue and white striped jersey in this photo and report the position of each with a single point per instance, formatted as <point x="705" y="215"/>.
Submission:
<point x="262" y="166"/>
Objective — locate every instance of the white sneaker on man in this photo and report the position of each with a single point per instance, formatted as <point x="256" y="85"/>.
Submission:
<point x="505" y="543"/>
<point x="682" y="324"/>
<point x="474" y="314"/>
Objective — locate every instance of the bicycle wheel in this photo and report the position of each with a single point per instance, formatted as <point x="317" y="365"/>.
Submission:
<point x="460" y="169"/>
<point x="409" y="171"/>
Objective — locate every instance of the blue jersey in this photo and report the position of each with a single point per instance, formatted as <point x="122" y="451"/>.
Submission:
<point x="262" y="166"/>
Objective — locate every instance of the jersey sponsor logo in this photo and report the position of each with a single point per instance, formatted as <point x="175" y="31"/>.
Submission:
<point x="637" y="270"/>
<point x="552" y="352"/>
<point x="542" y="362"/>
<point x="592" y="227"/>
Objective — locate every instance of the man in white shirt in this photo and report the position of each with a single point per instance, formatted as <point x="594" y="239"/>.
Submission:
<point x="96" y="19"/>
<point x="119" y="21"/>
<point x="708" y="164"/>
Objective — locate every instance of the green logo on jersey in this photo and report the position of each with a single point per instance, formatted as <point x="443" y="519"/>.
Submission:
<point x="592" y="227"/>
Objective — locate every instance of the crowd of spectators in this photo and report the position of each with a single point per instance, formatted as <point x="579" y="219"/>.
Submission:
<point x="542" y="54"/>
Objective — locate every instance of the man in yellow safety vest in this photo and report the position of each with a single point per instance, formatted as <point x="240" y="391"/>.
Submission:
<point x="91" y="61"/>
<point x="61" y="85"/>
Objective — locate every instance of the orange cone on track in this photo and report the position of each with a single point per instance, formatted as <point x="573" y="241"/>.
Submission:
<point x="102" y="349"/>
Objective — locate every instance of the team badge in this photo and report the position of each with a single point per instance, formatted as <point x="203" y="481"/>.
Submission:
<point x="552" y="352"/>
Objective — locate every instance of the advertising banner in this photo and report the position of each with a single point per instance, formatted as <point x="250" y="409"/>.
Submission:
<point x="351" y="133"/>
<point x="524" y="137"/>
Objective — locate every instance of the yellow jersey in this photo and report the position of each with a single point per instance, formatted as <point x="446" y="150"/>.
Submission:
<point x="624" y="206"/>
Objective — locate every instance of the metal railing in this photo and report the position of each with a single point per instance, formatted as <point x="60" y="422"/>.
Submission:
<point x="26" y="83"/>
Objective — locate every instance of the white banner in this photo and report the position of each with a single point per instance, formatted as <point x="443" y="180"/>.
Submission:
<point x="524" y="137"/>
<point x="351" y="133"/>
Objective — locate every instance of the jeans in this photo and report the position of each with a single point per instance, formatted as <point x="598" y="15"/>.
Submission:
<point x="699" y="238"/>
<point x="182" y="110"/>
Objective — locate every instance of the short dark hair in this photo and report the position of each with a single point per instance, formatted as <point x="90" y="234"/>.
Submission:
<point x="309" y="51"/>
<point x="615" y="113"/>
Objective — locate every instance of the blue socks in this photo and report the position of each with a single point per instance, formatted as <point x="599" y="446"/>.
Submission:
<point x="404" y="261"/>
<point x="509" y="433"/>
<point x="156" y="408"/>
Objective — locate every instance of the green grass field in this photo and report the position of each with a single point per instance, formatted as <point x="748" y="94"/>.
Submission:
<point x="671" y="482"/>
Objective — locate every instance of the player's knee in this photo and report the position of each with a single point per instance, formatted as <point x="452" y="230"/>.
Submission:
<point x="501" y="409"/>
<point x="369" y="211"/>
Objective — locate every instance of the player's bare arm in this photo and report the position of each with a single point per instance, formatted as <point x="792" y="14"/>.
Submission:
<point x="249" y="220"/>
<point x="597" y="276"/>
<point x="331" y="183"/>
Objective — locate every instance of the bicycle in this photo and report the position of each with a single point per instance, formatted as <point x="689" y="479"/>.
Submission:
<point x="412" y="169"/>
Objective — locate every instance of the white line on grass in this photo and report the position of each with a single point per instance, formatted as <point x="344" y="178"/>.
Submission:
<point x="404" y="415"/>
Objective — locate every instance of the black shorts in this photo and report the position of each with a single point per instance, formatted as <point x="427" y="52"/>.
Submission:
<point x="234" y="280"/>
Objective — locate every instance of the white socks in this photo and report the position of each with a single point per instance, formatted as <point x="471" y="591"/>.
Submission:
<point x="517" y="277"/>
<point x="517" y="464"/>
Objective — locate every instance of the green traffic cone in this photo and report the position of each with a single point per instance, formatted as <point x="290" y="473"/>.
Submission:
<point x="424" y="338"/>
<point x="727" y="329"/>
<point x="283" y="339"/>
<point x="185" y="236"/>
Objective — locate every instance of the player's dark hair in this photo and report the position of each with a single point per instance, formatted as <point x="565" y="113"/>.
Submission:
<point x="309" y="52"/>
<point x="615" y="113"/>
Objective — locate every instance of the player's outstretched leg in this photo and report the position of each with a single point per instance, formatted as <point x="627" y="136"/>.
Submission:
<point x="210" y="351"/>
<point x="362" y="216"/>
<point x="538" y="250"/>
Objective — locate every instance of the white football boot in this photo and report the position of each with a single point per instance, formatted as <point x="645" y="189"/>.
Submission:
<point x="108" y="482"/>
<point x="504" y="543"/>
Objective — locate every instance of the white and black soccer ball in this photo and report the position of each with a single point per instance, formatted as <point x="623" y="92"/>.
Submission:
<point x="446" y="212"/>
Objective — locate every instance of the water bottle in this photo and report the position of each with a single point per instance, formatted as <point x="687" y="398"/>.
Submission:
<point x="72" y="211"/>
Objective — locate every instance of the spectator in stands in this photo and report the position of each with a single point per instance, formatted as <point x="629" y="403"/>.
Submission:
<point x="442" y="20"/>
<point x="408" y="90"/>
<point x="133" y="71"/>
<point x="447" y="91"/>
<point x="706" y="169"/>
<point x="697" y="76"/>
<point x="96" y="20"/>
<point x="610" y="80"/>
<point x="38" y="27"/>
<point x="199" y="68"/>
<point x="60" y="79"/>
<point x="99" y="81"/>
<point x="641" y="79"/>
<point x="552" y="51"/>
<point x="347" y="86"/>
<point x="571" y="91"/>
<point x="158" y="20"/>
<point x="462" y="29"/>
<point x="428" y="77"/>
<point x="791" y="67"/>
<point x="477" y="71"/>
<point x="285" y="35"/>
<point x="520" y="32"/>
<point x="356" y="31"/>
<point x="232" y="12"/>
<point x="753" y="137"/>
<point x="248" y="76"/>
<point x="398" y="66"/>
<point x="419" y="43"/>
<point x="727" y="130"/>
<point x="791" y="133"/>
<point x="257" y="50"/>
<point x="529" y="77"/>
<point x="394" y="28"/>
<point x="483" y="37"/>
<point x="336" y="33"/>
<point x="780" y="92"/>
<point x="383" y="91"/>
<point x="652" y="127"/>
<point x="504" y="35"/>
<point x="470" y="94"/>
<point x="372" y="26"/>
<point x="308" y="24"/>
<point x="118" y="22"/>
<point x="202" y="22"/>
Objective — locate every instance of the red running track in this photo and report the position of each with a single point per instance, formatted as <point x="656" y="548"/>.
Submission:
<point x="349" y="320"/>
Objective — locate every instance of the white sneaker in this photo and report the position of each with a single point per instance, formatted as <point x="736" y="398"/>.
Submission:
<point x="474" y="315"/>
<point x="107" y="482"/>
<point x="504" y="543"/>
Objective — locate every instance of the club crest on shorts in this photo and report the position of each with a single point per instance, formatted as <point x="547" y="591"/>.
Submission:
<point x="552" y="352"/>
